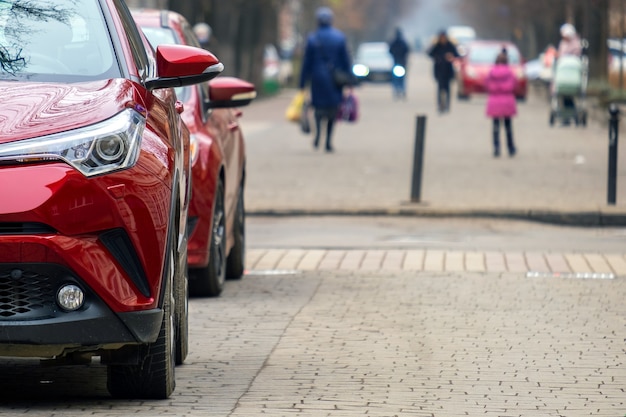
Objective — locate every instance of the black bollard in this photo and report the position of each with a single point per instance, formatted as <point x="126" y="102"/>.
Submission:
<point x="613" y="141"/>
<point x="418" y="159"/>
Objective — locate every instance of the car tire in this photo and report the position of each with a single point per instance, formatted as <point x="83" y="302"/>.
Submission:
<point x="153" y="377"/>
<point x="552" y="118"/>
<point x="181" y="295"/>
<point x="236" y="261"/>
<point x="209" y="281"/>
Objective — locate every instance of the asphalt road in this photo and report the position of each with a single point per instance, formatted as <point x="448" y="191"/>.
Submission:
<point x="389" y="232"/>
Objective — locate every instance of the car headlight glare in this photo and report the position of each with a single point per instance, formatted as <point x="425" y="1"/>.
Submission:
<point x="108" y="146"/>
<point x="399" y="71"/>
<point x="360" y="70"/>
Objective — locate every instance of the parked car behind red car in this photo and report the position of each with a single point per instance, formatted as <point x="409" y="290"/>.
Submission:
<point x="95" y="188"/>
<point x="217" y="212"/>
<point x="474" y="66"/>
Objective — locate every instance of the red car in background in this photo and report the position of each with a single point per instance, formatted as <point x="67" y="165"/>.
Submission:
<point x="216" y="213"/>
<point x="94" y="192"/>
<point x="473" y="68"/>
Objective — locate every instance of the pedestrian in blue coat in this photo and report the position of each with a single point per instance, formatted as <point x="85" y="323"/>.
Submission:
<point x="326" y="49"/>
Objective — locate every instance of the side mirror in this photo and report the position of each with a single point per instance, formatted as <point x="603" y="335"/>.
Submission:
<point x="182" y="65"/>
<point x="228" y="92"/>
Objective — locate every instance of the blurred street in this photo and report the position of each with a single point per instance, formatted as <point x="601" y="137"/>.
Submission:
<point x="379" y="315"/>
<point x="559" y="173"/>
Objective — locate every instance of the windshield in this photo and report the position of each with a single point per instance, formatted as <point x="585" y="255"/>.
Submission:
<point x="486" y="54"/>
<point x="54" y="40"/>
<point x="373" y="53"/>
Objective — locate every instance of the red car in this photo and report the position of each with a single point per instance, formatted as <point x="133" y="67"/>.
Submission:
<point x="216" y="214"/>
<point x="473" y="67"/>
<point x="95" y="185"/>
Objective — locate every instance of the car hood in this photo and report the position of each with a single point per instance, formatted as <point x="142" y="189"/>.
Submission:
<point x="31" y="110"/>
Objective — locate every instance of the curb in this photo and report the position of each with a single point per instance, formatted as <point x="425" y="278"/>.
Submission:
<point x="565" y="218"/>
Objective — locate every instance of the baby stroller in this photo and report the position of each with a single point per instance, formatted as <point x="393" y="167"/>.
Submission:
<point x="569" y="89"/>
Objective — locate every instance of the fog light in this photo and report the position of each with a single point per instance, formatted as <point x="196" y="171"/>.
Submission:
<point x="70" y="297"/>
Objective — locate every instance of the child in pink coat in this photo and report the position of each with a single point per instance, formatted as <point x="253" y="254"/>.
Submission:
<point x="501" y="103"/>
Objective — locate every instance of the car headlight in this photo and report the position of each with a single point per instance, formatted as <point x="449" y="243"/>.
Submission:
<point x="399" y="71"/>
<point x="360" y="70"/>
<point x="111" y="145"/>
<point x="471" y="73"/>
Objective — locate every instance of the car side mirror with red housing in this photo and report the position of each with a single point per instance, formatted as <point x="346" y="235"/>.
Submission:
<point x="182" y="65"/>
<point x="228" y="92"/>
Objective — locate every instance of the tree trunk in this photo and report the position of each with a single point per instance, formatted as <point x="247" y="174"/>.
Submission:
<point x="598" y="30"/>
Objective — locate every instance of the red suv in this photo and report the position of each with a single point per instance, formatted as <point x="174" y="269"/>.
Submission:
<point x="216" y="214"/>
<point x="95" y="186"/>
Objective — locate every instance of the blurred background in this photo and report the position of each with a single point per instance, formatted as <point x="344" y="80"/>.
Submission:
<point x="244" y="33"/>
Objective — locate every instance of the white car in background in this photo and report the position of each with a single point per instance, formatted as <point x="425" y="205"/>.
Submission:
<point x="461" y="36"/>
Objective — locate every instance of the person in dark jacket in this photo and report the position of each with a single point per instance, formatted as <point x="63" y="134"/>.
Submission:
<point x="326" y="49"/>
<point x="399" y="50"/>
<point x="443" y="53"/>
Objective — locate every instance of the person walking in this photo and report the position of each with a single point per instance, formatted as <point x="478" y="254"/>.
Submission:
<point x="501" y="103"/>
<point x="326" y="50"/>
<point x="399" y="50"/>
<point x="443" y="54"/>
<point x="569" y="45"/>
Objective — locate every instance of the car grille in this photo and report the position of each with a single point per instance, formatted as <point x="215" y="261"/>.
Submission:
<point x="27" y="292"/>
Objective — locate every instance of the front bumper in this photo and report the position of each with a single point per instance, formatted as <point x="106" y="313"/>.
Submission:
<point x="32" y="324"/>
<point x="105" y="234"/>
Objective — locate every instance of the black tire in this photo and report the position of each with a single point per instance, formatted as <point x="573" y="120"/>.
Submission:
<point x="209" y="281"/>
<point x="154" y="376"/>
<point x="236" y="261"/>
<point x="181" y="295"/>
<point x="552" y="118"/>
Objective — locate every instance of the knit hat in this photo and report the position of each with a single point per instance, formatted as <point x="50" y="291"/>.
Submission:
<point x="568" y="30"/>
<point x="324" y="16"/>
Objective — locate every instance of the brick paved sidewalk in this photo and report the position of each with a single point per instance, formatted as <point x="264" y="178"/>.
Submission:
<point x="538" y="263"/>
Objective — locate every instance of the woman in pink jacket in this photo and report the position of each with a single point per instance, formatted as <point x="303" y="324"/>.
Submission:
<point x="501" y="103"/>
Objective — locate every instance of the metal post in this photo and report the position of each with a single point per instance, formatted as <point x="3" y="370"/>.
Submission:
<point x="418" y="159"/>
<point x="613" y="141"/>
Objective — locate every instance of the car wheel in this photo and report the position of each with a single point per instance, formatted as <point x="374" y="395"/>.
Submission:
<point x="552" y="118"/>
<point x="236" y="262"/>
<point x="153" y="376"/>
<point x="209" y="281"/>
<point x="181" y="295"/>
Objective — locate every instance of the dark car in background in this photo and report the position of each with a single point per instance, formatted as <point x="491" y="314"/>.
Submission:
<point x="95" y="188"/>
<point x="217" y="210"/>
<point x="474" y="66"/>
